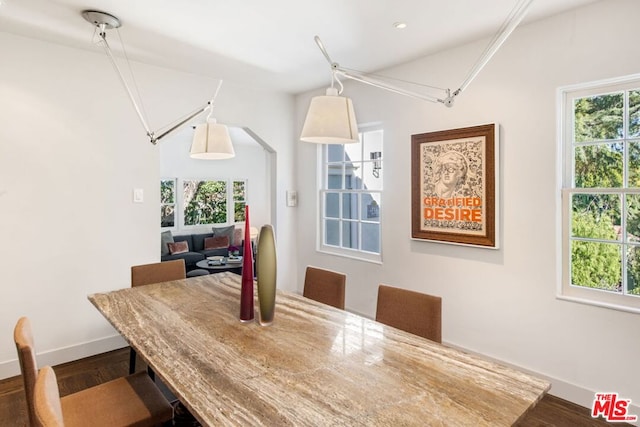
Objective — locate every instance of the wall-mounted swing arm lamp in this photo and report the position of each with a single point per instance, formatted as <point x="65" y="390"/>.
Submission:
<point x="204" y="136"/>
<point x="377" y="163"/>
<point x="331" y="119"/>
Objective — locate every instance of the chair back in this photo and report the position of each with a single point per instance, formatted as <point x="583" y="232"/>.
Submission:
<point x="325" y="286"/>
<point x="23" y="338"/>
<point x="411" y="311"/>
<point x="157" y="272"/>
<point x="46" y="397"/>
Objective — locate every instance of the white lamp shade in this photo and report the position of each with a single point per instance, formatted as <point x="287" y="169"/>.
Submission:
<point x="330" y="120"/>
<point x="211" y="141"/>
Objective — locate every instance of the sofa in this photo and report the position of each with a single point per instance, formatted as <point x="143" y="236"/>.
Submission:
<point x="223" y="237"/>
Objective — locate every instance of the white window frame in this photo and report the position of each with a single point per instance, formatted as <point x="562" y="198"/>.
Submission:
<point x="230" y="202"/>
<point x="321" y="246"/>
<point x="176" y="216"/>
<point x="566" y="96"/>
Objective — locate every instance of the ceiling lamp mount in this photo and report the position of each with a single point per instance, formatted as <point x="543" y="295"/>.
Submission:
<point x="102" y="20"/>
<point x="327" y="125"/>
<point x="105" y="21"/>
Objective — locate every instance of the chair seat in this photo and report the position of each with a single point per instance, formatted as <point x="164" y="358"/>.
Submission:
<point x="127" y="401"/>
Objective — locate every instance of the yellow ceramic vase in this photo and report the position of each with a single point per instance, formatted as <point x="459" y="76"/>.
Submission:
<point x="266" y="274"/>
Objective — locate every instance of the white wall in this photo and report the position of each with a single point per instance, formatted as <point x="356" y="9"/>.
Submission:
<point x="500" y="303"/>
<point x="71" y="152"/>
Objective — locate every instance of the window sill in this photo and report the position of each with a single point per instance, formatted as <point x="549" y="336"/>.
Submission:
<point x="373" y="259"/>
<point x="604" y="304"/>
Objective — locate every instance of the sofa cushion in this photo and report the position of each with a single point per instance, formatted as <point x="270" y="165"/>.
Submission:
<point x="238" y="236"/>
<point x="185" y="238"/>
<point x="178" y="248"/>
<point x="165" y="237"/>
<point x="216" y="242"/>
<point x="190" y="258"/>
<point x="224" y="231"/>
<point x="198" y="241"/>
<point x="215" y="252"/>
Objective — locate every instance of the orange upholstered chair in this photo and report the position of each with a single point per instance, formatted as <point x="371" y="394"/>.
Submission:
<point x="157" y="272"/>
<point x="154" y="273"/>
<point x="411" y="311"/>
<point x="133" y="400"/>
<point x="27" y="357"/>
<point x="325" y="286"/>
<point x="126" y="401"/>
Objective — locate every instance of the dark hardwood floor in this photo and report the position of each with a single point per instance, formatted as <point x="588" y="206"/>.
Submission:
<point x="75" y="376"/>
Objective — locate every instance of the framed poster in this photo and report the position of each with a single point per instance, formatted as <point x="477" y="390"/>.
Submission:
<point x="454" y="182"/>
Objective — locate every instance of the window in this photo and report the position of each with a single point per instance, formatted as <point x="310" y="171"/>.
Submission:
<point x="239" y="200"/>
<point x="350" y="197"/>
<point x="203" y="202"/>
<point x="601" y="193"/>
<point x="168" y="203"/>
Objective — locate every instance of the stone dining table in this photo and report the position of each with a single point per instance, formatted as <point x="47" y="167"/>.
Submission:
<point x="314" y="366"/>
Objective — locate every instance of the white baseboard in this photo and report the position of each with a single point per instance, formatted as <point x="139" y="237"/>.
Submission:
<point x="581" y="396"/>
<point x="559" y="388"/>
<point x="11" y="368"/>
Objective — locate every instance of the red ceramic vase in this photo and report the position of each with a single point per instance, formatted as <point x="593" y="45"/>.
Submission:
<point x="246" y="289"/>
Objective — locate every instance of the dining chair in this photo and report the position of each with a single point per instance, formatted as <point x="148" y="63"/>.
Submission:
<point x="411" y="311"/>
<point x="131" y="400"/>
<point x="157" y="272"/>
<point x="126" y="401"/>
<point x="325" y="286"/>
<point x="147" y="274"/>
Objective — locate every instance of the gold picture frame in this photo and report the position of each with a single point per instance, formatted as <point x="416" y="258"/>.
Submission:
<point x="454" y="185"/>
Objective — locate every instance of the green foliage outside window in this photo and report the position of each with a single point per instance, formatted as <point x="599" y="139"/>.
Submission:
<point x="595" y="265"/>
<point x="205" y="202"/>
<point x="239" y="200"/>
<point x="167" y="191"/>
<point x="599" y="162"/>
<point x="167" y="202"/>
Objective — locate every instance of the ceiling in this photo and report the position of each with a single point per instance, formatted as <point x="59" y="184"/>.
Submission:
<point x="269" y="44"/>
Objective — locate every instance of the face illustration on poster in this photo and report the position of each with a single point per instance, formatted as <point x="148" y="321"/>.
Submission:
<point x="452" y="173"/>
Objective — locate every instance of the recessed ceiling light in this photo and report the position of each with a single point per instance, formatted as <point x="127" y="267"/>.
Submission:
<point x="400" y="25"/>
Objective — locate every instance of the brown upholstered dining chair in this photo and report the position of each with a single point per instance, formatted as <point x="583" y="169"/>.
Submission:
<point x="325" y="286"/>
<point x="126" y="401"/>
<point x="157" y="272"/>
<point x="147" y="274"/>
<point x="411" y="311"/>
<point x="131" y="400"/>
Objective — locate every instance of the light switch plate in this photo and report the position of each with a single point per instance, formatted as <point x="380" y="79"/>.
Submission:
<point x="292" y="198"/>
<point x="138" y="195"/>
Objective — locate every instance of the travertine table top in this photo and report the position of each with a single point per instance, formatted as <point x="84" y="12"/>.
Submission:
<point x="314" y="366"/>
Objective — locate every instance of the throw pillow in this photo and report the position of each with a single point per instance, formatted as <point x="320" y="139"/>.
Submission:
<point x="218" y="242"/>
<point x="238" y="235"/>
<point x="178" y="247"/>
<point x="224" y="231"/>
<point x="165" y="237"/>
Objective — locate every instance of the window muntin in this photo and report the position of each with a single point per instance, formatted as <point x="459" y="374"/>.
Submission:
<point x="601" y="195"/>
<point x="350" y="197"/>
